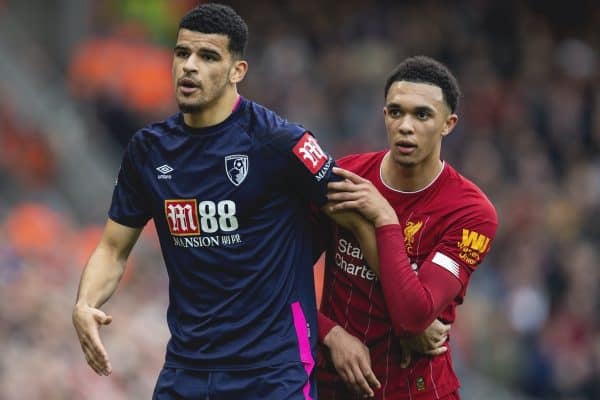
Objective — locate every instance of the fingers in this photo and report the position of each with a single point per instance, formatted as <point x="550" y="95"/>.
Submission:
<point x="343" y="186"/>
<point x="347" y="376"/>
<point x="439" y="327"/>
<point x="436" y="340"/>
<point x="343" y="196"/>
<point x="437" y="351"/>
<point x="348" y="200"/>
<point x="344" y="206"/>
<point x="102" y="318"/>
<point x="405" y="358"/>
<point x="86" y="324"/>
<point x="95" y="353"/>
<point x="360" y="382"/>
<point x="364" y="377"/>
<point x="352" y="361"/>
<point x="351" y="176"/>
<point x="355" y="379"/>
<point x="99" y="366"/>
<point x="369" y="376"/>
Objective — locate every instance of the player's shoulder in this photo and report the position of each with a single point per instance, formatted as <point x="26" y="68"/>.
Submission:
<point x="471" y="197"/>
<point x="361" y="161"/>
<point x="155" y="131"/>
<point x="266" y="126"/>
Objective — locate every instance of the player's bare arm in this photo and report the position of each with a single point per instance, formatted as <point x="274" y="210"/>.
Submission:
<point x="350" y="357"/>
<point x="352" y="361"/>
<point x="99" y="281"/>
<point x="363" y="230"/>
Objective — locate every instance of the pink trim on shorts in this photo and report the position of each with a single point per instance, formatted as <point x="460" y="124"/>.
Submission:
<point x="303" y="344"/>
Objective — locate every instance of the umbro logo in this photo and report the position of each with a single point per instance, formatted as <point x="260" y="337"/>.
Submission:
<point x="164" y="171"/>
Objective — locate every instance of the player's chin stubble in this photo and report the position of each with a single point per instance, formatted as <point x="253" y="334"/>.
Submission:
<point x="189" y="108"/>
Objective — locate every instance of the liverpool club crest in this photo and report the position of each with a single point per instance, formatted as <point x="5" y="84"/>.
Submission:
<point x="236" y="166"/>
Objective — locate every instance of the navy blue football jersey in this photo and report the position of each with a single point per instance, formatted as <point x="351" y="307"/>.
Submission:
<point x="231" y="206"/>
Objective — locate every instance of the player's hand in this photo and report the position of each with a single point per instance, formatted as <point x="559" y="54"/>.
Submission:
<point x="430" y="342"/>
<point x="345" y="219"/>
<point x="87" y="321"/>
<point x="352" y="361"/>
<point x="357" y="193"/>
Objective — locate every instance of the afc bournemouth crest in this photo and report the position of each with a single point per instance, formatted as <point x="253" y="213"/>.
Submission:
<point x="236" y="166"/>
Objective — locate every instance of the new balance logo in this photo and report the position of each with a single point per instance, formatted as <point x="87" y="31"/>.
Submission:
<point x="164" y="172"/>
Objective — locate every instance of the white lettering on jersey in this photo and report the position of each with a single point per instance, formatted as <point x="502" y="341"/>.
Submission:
<point x="309" y="153"/>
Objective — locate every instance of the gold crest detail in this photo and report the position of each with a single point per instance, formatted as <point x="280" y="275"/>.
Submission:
<point x="410" y="230"/>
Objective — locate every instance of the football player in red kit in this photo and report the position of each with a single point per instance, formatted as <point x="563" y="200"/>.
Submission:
<point x="433" y="227"/>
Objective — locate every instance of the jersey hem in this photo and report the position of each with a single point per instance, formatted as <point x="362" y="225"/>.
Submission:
<point x="245" y="367"/>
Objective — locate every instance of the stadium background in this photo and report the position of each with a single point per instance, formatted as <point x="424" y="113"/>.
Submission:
<point x="78" y="77"/>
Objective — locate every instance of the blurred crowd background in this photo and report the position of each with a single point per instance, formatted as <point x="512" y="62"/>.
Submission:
<point x="78" y="77"/>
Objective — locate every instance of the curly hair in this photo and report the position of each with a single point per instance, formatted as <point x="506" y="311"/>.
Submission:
<point x="221" y="19"/>
<point x="423" y="69"/>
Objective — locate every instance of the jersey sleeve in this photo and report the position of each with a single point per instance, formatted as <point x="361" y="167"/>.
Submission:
<point x="414" y="301"/>
<point x="465" y="243"/>
<point x="130" y="204"/>
<point x="322" y="232"/>
<point x="307" y="166"/>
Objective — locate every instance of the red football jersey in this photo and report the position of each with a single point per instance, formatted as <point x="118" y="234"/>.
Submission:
<point x="450" y="225"/>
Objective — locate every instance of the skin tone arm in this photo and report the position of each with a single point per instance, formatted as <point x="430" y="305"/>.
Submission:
<point x="350" y="357"/>
<point x="99" y="281"/>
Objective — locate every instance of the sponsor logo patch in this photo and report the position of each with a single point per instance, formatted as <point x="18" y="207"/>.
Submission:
<point x="182" y="217"/>
<point x="472" y="246"/>
<point x="309" y="153"/>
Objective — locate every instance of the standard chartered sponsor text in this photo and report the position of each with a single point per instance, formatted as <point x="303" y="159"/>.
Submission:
<point x="349" y="258"/>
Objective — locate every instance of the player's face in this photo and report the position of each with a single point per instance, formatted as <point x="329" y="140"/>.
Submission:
<point x="203" y="69"/>
<point x="416" y="119"/>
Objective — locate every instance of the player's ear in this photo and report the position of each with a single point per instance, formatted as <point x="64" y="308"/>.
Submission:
<point x="238" y="71"/>
<point x="449" y="124"/>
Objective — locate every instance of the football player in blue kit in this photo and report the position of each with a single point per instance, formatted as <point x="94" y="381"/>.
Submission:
<point x="229" y="186"/>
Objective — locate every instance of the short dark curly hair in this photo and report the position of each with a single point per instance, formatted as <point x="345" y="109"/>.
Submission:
<point x="218" y="18"/>
<point x="423" y="69"/>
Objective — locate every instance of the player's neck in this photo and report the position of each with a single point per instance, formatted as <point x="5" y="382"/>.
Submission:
<point x="214" y="113"/>
<point x="409" y="178"/>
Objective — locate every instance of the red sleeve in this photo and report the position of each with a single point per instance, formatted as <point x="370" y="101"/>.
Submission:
<point x="324" y="325"/>
<point x="413" y="301"/>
